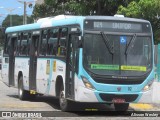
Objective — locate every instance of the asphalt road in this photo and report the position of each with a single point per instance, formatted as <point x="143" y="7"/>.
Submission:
<point x="9" y="101"/>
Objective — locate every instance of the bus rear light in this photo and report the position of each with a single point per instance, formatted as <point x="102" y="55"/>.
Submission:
<point x="87" y="83"/>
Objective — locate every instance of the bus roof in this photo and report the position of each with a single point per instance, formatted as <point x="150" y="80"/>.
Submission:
<point x="44" y="23"/>
<point x="115" y="18"/>
<point x="65" y="20"/>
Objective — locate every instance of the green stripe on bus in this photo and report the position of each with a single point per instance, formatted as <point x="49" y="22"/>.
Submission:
<point x="104" y="67"/>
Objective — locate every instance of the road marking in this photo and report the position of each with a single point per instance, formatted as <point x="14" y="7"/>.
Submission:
<point x="141" y="106"/>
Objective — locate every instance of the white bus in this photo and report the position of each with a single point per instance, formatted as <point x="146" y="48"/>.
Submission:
<point x="97" y="59"/>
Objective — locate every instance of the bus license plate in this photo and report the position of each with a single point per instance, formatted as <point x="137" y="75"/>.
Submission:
<point x="118" y="100"/>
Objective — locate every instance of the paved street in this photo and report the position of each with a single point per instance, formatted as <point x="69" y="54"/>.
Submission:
<point x="9" y="102"/>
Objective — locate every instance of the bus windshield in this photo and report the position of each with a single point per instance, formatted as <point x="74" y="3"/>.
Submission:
<point x="130" y="56"/>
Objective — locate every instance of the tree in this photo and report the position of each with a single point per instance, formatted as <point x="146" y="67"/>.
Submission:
<point x="48" y="8"/>
<point x="78" y="7"/>
<point x="16" y="20"/>
<point x="144" y="9"/>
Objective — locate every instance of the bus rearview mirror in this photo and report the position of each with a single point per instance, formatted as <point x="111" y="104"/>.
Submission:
<point x="79" y="41"/>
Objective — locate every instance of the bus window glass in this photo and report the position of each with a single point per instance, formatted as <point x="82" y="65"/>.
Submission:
<point x="43" y="43"/>
<point x="133" y="59"/>
<point x="15" y="46"/>
<point x="29" y="42"/>
<point x="62" y="42"/>
<point x="52" y="41"/>
<point x="7" y="45"/>
<point x="18" y="45"/>
<point x="24" y="44"/>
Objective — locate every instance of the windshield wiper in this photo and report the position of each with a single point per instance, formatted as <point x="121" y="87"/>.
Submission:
<point x="107" y="43"/>
<point x="131" y="43"/>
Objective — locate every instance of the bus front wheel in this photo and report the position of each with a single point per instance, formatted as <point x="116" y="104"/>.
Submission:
<point x="65" y="104"/>
<point x="121" y="106"/>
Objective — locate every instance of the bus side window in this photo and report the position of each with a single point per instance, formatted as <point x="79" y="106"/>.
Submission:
<point x="23" y="46"/>
<point x="28" y="44"/>
<point x="15" y="46"/>
<point x="7" y="45"/>
<point x="18" y="47"/>
<point x="43" y="43"/>
<point x="52" y="41"/>
<point x="62" y="42"/>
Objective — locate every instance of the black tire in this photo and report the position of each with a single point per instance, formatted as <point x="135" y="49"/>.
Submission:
<point x="121" y="106"/>
<point x="22" y="94"/>
<point x="65" y="104"/>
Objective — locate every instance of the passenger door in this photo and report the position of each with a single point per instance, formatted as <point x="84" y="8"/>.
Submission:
<point x="70" y="67"/>
<point x="13" y="44"/>
<point x="8" y="62"/>
<point x="5" y="60"/>
<point x="33" y="60"/>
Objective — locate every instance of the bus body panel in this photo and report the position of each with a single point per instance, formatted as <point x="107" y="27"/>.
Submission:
<point x="5" y="69"/>
<point x="88" y="95"/>
<point x="47" y="72"/>
<point x="93" y="95"/>
<point x="58" y="69"/>
<point x="156" y="91"/>
<point x="156" y="84"/>
<point x="41" y="75"/>
<point x="22" y="65"/>
<point x="124" y="88"/>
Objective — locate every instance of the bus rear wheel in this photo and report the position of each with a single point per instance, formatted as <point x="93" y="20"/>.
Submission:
<point x="22" y="94"/>
<point x="65" y="104"/>
<point x="121" y="106"/>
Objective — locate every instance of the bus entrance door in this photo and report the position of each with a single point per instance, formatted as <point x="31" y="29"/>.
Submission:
<point x="70" y="68"/>
<point x="33" y="62"/>
<point x="13" y="42"/>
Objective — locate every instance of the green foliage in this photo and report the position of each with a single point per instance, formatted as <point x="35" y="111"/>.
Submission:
<point x="48" y="8"/>
<point x="16" y="20"/>
<point x="144" y="9"/>
<point x="132" y="10"/>
<point x="78" y="7"/>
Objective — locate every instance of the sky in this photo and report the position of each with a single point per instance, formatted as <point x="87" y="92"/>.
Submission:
<point x="13" y="4"/>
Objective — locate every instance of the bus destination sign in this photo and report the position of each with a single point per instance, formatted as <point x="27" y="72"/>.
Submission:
<point x="117" y="26"/>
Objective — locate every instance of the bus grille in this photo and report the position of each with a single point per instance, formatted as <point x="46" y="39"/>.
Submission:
<point x="110" y="97"/>
<point x="129" y="81"/>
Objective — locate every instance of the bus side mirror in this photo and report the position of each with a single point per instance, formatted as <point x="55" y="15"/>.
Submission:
<point x="78" y="38"/>
<point x="80" y="45"/>
<point x="78" y="41"/>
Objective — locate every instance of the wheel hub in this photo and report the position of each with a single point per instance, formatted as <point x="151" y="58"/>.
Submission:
<point x="63" y="101"/>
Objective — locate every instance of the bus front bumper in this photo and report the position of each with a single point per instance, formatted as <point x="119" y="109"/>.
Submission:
<point x="87" y="95"/>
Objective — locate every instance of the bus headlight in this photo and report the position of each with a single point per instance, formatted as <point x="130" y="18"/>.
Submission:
<point x="148" y="86"/>
<point x="87" y="83"/>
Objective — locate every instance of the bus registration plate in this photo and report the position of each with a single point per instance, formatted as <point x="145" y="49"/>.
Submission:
<point x="118" y="100"/>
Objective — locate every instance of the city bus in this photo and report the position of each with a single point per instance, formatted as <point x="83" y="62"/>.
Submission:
<point x="84" y="59"/>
